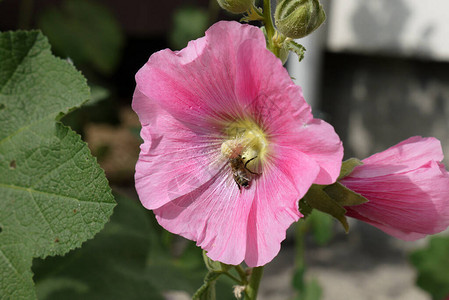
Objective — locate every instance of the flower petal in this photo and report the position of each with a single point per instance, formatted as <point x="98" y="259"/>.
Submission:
<point x="319" y="141"/>
<point x="184" y="87"/>
<point x="265" y="88"/>
<point x="405" y="156"/>
<point x="214" y="215"/>
<point x="407" y="203"/>
<point x="170" y="154"/>
<point x="274" y="209"/>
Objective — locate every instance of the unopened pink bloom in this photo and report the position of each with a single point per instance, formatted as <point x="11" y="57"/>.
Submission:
<point x="225" y="98"/>
<point x="407" y="187"/>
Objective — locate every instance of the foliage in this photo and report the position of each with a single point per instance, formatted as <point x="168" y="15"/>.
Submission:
<point x="432" y="264"/>
<point x="84" y="31"/>
<point x="189" y="23"/>
<point x="127" y="260"/>
<point x="54" y="196"/>
<point x="111" y="266"/>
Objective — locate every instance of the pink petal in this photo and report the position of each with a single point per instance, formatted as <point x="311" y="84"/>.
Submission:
<point x="170" y="154"/>
<point x="299" y="169"/>
<point x="407" y="189"/>
<point x="319" y="141"/>
<point x="184" y="87"/>
<point x="215" y="215"/>
<point x="405" y="156"/>
<point x="274" y="209"/>
<point x="265" y="88"/>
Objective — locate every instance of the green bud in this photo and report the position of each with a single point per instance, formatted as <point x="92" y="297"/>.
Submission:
<point x="298" y="18"/>
<point x="214" y="266"/>
<point x="236" y="6"/>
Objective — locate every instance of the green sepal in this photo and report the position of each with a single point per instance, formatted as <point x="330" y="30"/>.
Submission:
<point x="317" y="198"/>
<point x="348" y="166"/>
<point x="215" y="266"/>
<point x="295" y="47"/>
<point x="344" y="196"/>
<point x="236" y="6"/>
<point x="253" y="14"/>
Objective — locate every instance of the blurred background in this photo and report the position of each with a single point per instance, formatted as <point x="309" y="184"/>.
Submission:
<point x="377" y="70"/>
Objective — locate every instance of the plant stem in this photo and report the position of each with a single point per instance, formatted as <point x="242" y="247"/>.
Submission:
<point x="268" y="21"/>
<point x="242" y="274"/>
<point x="254" y="281"/>
<point x="300" y="266"/>
<point x="269" y="27"/>
<point x="233" y="278"/>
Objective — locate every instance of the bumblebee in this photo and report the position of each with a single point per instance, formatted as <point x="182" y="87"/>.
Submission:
<point x="242" y="175"/>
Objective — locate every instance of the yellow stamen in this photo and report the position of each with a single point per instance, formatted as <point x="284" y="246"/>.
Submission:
<point x="247" y="139"/>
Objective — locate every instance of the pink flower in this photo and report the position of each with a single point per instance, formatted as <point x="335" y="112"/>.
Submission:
<point x="230" y="145"/>
<point x="407" y="188"/>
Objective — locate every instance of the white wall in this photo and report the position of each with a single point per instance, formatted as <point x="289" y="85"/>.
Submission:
<point x="405" y="27"/>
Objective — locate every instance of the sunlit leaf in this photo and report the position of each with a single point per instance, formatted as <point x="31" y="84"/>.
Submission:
<point x="53" y="194"/>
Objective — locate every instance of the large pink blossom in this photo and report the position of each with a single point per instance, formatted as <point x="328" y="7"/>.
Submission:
<point x="225" y="98"/>
<point x="407" y="187"/>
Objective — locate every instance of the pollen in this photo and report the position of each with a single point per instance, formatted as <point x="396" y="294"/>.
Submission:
<point x="245" y="138"/>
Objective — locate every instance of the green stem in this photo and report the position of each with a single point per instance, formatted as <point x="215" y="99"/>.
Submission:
<point x="269" y="27"/>
<point x="300" y="266"/>
<point x="254" y="281"/>
<point x="208" y="287"/>
<point x="233" y="278"/>
<point x="242" y="274"/>
<point x="268" y="21"/>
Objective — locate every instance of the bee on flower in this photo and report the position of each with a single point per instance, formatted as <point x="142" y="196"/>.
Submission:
<point x="239" y="171"/>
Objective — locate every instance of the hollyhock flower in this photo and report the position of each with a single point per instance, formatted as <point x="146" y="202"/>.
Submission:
<point x="407" y="188"/>
<point x="230" y="145"/>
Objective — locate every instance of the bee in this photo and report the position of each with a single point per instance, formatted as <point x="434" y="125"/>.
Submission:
<point x="242" y="175"/>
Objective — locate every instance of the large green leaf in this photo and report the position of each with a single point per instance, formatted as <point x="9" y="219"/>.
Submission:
<point x="86" y="32"/>
<point x="53" y="194"/>
<point x="432" y="264"/>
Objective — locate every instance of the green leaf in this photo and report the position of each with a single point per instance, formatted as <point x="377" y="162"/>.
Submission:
<point x="53" y="194"/>
<point x="344" y="196"/>
<point x="295" y="47"/>
<point x="111" y="266"/>
<point x="348" y="166"/>
<point x="432" y="264"/>
<point x="320" y="200"/>
<point x="84" y="31"/>
<point x="189" y="23"/>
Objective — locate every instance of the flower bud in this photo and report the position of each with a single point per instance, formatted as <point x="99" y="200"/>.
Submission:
<point x="298" y="18"/>
<point x="214" y="266"/>
<point x="236" y="6"/>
